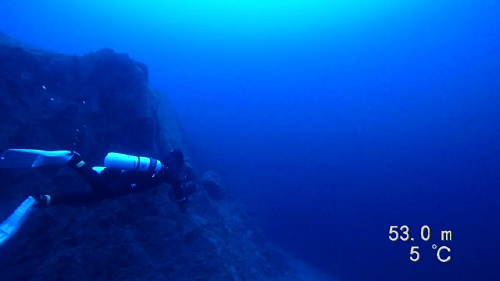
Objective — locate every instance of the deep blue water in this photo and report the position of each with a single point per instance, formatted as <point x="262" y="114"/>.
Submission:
<point x="330" y="120"/>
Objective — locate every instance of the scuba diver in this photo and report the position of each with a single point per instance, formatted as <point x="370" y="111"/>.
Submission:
<point x="121" y="175"/>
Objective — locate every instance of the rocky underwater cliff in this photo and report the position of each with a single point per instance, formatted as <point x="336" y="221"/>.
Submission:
<point x="94" y="104"/>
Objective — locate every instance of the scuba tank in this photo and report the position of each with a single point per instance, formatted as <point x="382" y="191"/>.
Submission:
<point x="130" y="162"/>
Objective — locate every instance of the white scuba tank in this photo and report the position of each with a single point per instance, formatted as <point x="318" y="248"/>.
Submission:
<point x="131" y="162"/>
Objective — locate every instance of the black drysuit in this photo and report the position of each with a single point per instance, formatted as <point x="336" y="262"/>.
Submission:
<point x="113" y="183"/>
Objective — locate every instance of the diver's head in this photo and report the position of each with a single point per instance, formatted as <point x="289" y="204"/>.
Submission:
<point x="178" y="155"/>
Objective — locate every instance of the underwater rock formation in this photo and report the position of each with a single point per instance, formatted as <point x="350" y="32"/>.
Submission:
<point x="211" y="183"/>
<point x="94" y="104"/>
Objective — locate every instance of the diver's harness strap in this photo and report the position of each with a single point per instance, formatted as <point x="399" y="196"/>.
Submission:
<point x="138" y="163"/>
<point x="152" y="164"/>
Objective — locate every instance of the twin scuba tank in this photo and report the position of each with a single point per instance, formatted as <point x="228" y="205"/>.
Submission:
<point x="129" y="162"/>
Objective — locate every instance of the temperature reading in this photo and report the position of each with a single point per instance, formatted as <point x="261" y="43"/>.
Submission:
<point x="440" y="253"/>
<point x="414" y="254"/>
<point x="403" y="234"/>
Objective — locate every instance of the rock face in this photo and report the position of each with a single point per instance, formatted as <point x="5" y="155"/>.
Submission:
<point x="211" y="183"/>
<point x="94" y="104"/>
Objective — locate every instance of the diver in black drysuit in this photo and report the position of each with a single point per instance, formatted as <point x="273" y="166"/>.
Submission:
<point x="112" y="183"/>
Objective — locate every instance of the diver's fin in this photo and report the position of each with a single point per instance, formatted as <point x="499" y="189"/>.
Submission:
<point x="30" y="158"/>
<point x="10" y="226"/>
<point x="98" y="169"/>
